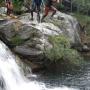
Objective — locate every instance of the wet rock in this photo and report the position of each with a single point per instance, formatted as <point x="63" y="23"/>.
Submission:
<point x="32" y="53"/>
<point x="85" y="48"/>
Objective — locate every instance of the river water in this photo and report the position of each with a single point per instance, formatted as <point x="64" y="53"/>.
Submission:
<point x="79" y="79"/>
<point x="12" y="79"/>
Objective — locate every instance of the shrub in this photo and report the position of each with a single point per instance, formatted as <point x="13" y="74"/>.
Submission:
<point x="18" y="5"/>
<point x="61" y="51"/>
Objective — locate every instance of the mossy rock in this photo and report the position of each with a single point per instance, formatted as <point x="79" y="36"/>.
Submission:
<point x="16" y="40"/>
<point x="61" y="24"/>
<point x="61" y="51"/>
<point x="59" y="40"/>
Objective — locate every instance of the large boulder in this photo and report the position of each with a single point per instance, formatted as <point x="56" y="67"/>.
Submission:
<point x="30" y="38"/>
<point x="60" y="24"/>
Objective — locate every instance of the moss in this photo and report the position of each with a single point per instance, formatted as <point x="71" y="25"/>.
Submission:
<point x="61" y="51"/>
<point x="35" y="33"/>
<point x="60" y="24"/>
<point x="18" y="5"/>
<point x="59" y="40"/>
<point x="16" y="40"/>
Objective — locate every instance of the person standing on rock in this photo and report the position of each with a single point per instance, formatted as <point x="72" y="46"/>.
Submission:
<point x="49" y="7"/>
<point x="9" y="6"/>
<point x="36" y="4"/>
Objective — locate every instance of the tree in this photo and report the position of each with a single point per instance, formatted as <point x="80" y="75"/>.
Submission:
<point x="83" y="6"/>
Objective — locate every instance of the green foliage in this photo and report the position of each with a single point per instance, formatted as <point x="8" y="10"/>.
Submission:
<point x="82" y="5"/>
<point x="83" y="19"/>
<point x="72" y="56"/>
<point x="61" y="51"/>
<point x="60" y="40"/>
<point x="17" y="5"/>
<point x="59" y="6"/>
<point x="2" y="3"/>
<point x="17" y="40"/>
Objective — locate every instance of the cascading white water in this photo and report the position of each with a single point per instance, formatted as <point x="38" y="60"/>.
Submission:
<point x="12" y="79"/>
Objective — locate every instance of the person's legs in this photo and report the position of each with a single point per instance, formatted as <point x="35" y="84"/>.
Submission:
<point x="38" y="13"/>
<point x="53" y="9"/>
<point x="11" y="11"/>
<point x="8" y="11"/>
<point x="46" y="13"/>
<point x="31" y="14"/>
<point x="9" y="8"/>
<point x="32" y="10"/>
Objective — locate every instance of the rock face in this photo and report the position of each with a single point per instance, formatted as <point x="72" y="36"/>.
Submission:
<point x="29" y="38"/>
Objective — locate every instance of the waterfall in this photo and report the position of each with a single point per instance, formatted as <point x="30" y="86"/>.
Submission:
<point x="11" y="77"/>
